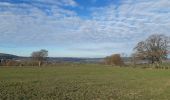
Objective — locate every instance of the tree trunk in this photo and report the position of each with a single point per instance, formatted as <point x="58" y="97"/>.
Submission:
<point x="39" y="63"/>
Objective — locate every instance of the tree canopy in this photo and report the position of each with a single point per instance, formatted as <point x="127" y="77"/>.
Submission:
<point x="154" y="49"/>
<point x="39" y="56"/>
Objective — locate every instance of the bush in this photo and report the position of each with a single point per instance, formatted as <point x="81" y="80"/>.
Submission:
<point x="114" y="59"/>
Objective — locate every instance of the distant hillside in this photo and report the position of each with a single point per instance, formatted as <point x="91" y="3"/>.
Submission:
<point x="65" y="59"/>
<point x="7" y="56"/>
<point x="62" y="59"/>
<point x="59" y="59"/>
<point x="72" y="59"/>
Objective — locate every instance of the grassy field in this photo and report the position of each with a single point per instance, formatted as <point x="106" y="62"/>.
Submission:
<point x="84" y="82"/>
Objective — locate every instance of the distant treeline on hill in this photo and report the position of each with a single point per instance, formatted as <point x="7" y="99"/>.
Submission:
<point x="52" y="59"/>
<point x="14" y="60"/>
<point x="59" y="59"/>
<point x="7" y="56"/>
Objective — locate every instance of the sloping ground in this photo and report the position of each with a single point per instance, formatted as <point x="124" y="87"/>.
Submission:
<point x="84" y="82"/>
<point x="7" y="56"/>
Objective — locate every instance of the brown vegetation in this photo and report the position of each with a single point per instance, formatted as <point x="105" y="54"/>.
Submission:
<point x="154" y="49"/>
<point x="114" y="59"/>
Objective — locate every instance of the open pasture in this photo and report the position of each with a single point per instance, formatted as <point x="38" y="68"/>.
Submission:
<point x="84" y="82"/>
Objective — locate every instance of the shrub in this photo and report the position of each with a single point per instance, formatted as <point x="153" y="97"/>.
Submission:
<point x="114" y="59"/>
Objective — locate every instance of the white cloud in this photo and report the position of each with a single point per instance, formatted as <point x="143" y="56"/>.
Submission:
<point x="108" y="28"/>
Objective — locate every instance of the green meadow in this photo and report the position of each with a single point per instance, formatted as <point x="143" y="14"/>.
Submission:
<point x="84" y="82"/>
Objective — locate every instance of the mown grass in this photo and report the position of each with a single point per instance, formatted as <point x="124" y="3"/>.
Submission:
<point x="84" y="82"/>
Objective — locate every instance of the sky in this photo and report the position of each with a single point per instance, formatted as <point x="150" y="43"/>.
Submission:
<point x="80" y="28"/>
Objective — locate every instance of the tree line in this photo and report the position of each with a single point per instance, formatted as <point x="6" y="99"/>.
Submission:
<point x="153" y="50"/>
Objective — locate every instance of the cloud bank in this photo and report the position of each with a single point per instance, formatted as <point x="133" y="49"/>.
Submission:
<point x="112" y="28"/>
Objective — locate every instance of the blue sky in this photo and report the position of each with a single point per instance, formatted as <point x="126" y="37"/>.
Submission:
<point x="80" y="28"/>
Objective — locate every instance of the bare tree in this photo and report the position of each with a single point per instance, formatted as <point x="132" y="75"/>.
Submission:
<point x="154" y="48"/>
<point x="39" y="56"/>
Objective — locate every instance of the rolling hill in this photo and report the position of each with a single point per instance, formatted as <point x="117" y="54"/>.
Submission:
<point x="7" y="56"/>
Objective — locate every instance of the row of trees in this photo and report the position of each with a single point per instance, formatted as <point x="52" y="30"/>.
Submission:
<point x="154" y="49"/>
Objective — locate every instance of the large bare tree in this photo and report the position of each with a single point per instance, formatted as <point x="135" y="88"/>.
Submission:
<point x="39" y="56"/>
<point x="154" y="48"/>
